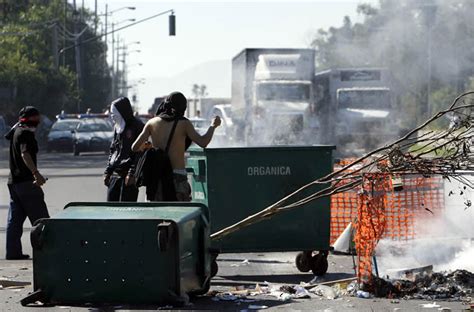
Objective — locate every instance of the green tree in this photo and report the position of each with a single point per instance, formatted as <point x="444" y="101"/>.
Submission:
<point x="395" y="34"/>
<point x="28" y="59"/>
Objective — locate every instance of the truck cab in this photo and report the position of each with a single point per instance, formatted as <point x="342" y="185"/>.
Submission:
<point x="272" y="93"/>
<point x="356" y="109"/>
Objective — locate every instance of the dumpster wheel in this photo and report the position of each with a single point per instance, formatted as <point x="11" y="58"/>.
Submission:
<point x="214" y="268"/>
<point x="319" y="263"/>
<point x="303" y="261"/>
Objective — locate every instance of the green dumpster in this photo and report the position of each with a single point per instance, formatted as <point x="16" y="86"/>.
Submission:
<point x="237" y="182"/>
<point x="121" y="253"/>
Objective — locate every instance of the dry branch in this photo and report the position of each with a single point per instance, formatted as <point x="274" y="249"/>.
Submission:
<point x="444" y="153"/>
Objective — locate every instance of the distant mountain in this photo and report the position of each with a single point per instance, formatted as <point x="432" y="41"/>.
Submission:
<point x="216" y="75"/>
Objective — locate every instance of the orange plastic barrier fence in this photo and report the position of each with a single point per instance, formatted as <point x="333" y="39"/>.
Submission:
<point x="378" y="211"/>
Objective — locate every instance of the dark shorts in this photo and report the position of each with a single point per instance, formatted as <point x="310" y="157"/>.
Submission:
<point x="182" y="188"/>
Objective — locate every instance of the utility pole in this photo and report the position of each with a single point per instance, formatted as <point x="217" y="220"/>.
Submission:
<point x="55" y="46"/>
<point x="78" y="54"/>
<point x="113" y="62"/>
<point x="96" y="18"/>
<point x="65" y="28"/>
<point x="106" y="66"/>
<point x="124" y="73"/>
<point x="117" y="68"/>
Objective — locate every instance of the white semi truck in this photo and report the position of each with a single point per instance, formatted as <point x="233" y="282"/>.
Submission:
<point x="355" y="107"/>
<point x="272" y="94"/>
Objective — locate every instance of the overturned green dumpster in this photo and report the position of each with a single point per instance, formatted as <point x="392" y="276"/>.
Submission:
<point x="121" y="253"/>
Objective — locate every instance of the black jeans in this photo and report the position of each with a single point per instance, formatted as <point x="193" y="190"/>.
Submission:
<point x="26" y="200"/>
<point x="118" y="191"/>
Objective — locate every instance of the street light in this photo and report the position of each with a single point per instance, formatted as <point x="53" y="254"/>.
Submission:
<point x="107" y="12"/>
<point x="123" y="8"/>
<point x="123" y="21"/>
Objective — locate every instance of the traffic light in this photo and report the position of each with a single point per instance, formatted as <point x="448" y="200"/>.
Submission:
<point x="172" y="25"/>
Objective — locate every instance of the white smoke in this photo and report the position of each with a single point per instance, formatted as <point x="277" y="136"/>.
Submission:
<point x="445" y="241"/>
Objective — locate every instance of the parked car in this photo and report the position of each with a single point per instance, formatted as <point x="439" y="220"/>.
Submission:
<point x="60" y="135"/>
<point x="92" y="135"/>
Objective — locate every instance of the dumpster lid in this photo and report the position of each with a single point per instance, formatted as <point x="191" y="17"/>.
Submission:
<point x="132" y="211"/>
<point x="268" y="147"/>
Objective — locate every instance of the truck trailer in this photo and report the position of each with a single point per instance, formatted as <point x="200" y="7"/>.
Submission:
<point x="272" y="93"/>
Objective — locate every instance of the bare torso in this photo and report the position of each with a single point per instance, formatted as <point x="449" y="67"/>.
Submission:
<point x="160" y="131"/>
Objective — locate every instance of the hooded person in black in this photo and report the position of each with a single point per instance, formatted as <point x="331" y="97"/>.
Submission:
<point x="24" y="182"/>
<point x="171" y="134"/>
<point x="119" y="175"/>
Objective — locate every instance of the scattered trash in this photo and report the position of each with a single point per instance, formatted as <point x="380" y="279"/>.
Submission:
<point x="301" y="292"/>
<point x="411" y="274"/>
<point x="363" y="294"/>
<point x="257" y="307"/>
<point x="325" y="291"/>
<point x="456" y="285"/>
<point x="430" y="305"/>
<point x="444" y="309"/>
<point x="352" y="288"/>
<point x="395" y="301"/>
<point x="225" y="297"/>
<point x="319" y="280"/>
<point x="281" y="296"/>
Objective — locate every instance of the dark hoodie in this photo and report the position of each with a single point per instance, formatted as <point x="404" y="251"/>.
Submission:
<point x="121" y="159"/>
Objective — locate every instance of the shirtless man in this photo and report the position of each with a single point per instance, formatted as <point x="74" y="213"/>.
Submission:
<point x="160" y="128"/>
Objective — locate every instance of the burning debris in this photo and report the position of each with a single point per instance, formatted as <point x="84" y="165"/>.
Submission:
<point x="457" y="285"/>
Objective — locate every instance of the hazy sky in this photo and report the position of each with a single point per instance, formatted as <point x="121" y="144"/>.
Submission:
<point x="216" y="30"/>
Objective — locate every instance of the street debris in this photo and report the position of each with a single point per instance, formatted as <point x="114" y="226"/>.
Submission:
<point x="430" y="305"/>
<point x="325" y="291"/>
<point x="457" y="285"/>
<point x="363" y="294"/>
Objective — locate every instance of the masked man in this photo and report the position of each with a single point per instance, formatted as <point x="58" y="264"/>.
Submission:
<point x="119" y="175"/>
<point x="24" y="182"/>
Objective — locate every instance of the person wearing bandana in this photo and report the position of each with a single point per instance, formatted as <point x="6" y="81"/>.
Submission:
<point x="119" y="176"/>
<point x="24" y="181"/>
<point x="171" y="134"/>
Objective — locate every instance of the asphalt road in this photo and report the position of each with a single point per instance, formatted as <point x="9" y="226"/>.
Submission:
<point x="79" y="179"/>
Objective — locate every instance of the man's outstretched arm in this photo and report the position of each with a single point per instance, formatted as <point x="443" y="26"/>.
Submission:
<point x="202" y="140"/>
